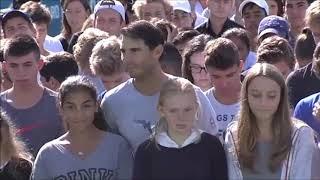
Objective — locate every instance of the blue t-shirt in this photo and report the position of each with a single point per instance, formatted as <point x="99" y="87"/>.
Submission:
<point x="303" y="111"/>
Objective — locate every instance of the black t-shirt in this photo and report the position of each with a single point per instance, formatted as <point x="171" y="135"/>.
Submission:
<point x="302" y="83"/>
<point x="16" y="169"/>
<point x="206" y="28"/>
<point x="205" y="160"/>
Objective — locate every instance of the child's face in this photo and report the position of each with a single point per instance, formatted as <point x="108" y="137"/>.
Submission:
<point x="295" y="11"/>
<point x="42" y="30"/>
<point x="220" y="8"/>
<point x="179" y="110"/>
<point x="200" y="76"/>
<point x="182" y="19"/>
<point x="78" y="110"/>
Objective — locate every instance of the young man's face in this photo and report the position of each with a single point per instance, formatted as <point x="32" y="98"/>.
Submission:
<point x="109" y="20"/>
<point x="295" y="11"/>
<point x="151" y="10"/>
<point x="139" y="59"/>
<point x="16" y="26"/>
<point x="220" y="8"/>
<point x="225" y="81"/>
<point x="252" y="15"/>
<point x="42" y="30"/>
<point x="182" y="19"/>
<point x="24" y="69"/>
<point x="113" y="80"/>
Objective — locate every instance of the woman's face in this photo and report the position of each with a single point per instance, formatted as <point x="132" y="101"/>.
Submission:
<point x="78" y="110"/>
<point x="273" y="7"/>
<point x="263" y="97"/>
<point x="179" y="110"/>
<point x="76" y="15"/>
<point x="200" y="76"/>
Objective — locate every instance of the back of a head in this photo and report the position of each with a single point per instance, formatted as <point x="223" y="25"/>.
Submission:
<point x="60" y="66"/>
<point x="106" y="57"/>
<point x="87" y="40"/>
<point x="184" y="36"/>
<point x="37" y="11"/>
<point x="239" y="33"/>
<point x="171" y="60"/>
<point x="21" y="45"/>
<point x="164" y="26"/>
<point x="221" y="54"/>
<point x="145" y="31"/>
<point x="304" y="46"/>
<point x="275" y="49"/>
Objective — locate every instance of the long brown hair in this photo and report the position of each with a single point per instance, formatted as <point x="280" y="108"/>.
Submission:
<point x="281" y="125"/>
<point x="10" y="145"/>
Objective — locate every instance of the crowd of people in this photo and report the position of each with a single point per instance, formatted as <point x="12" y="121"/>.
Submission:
<point x="161" y="89"/>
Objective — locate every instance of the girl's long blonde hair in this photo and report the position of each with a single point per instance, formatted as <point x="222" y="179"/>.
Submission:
<point x="281" y="124"/>
<point x="10" y="145"/>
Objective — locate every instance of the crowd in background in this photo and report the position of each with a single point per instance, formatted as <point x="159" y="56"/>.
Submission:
<point x="161" y="89"/>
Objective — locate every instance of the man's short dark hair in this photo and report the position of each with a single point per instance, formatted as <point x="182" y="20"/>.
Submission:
<point x="250" y="5"/>
<point x="171" y="59"/>
<point x="221" y="54"/>
<point x="184" y="36"/>
<point x="60" y="66"/>
<point x="151" y="35"/>
<point x="238" y="33"/>
<point x="275" y="49"/>
<point x="37" y="11"/>
<point x="21" y="45"/>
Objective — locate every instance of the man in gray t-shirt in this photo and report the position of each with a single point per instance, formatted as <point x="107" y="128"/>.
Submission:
<point x="31" y="107"/>
<point x="130" y="109"/>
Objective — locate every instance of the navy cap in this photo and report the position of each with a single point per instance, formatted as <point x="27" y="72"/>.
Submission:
<point x="274" y="24"/>
<point x="13" y="14"/>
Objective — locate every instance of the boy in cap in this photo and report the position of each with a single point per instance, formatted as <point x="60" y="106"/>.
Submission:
<point x="252" y="12"/>
<point x="273" y="25"/>
<point x="16" y="22"/>
<point x="182" y="16"/>
<point x="109" y="16"/>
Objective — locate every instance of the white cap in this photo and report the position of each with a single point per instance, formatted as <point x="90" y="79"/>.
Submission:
<point x="110" y="4"/>
<point x="261" y="3"/>
<point x="182" y="5"/>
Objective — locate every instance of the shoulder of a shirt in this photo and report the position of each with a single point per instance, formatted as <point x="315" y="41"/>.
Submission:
<point x="299" y="73"/>
<point x="118" y="90"/>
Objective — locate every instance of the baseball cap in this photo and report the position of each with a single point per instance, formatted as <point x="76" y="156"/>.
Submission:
<point x="14" y="13"/>
<point x="110" y="4"/>
<point x="274" y="24"/>
<point x="182" y="5"/>
<point x="261" y="3"/>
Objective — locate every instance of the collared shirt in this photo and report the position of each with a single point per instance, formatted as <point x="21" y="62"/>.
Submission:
<point x="164" y="140"/>
<point x="205" y="28"/>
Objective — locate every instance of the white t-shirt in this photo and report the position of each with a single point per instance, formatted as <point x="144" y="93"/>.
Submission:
<point x="133" y="115"/>
<point x="225" y="113"/>
<point x="53" y="45"/>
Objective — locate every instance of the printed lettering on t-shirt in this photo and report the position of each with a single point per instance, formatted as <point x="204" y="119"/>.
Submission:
<point x="91" y="173"/>
<point x="223" y="121"/>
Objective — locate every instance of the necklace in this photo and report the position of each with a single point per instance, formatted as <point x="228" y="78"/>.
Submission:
<point x="80" y="153"/>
